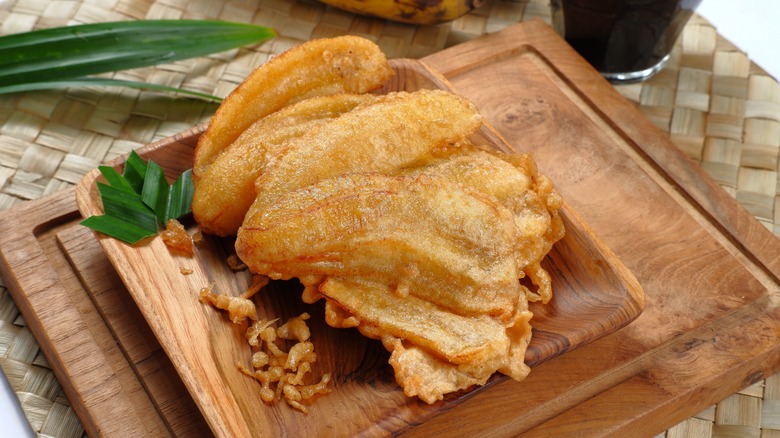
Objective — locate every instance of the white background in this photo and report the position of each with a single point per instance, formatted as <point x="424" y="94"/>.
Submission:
<point x="752" y="25"/>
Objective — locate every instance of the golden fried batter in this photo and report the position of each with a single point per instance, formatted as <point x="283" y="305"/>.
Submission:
<point x="392" y="131"/>
<point x="434" y="351"/>
<point x="346" y="64"/>
<point x="513" y="180"/>
<point x="423" y="235"/>
<point x="226" y="187"/>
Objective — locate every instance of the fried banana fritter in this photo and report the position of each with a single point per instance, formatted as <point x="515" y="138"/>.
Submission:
<point x="383" y="207"/>
<point x="421" y="234"/>
<point x="226" y="188"/>
<point x="433" y="351"/>
<point x="393" y="131"/>
<point x="345" y="64"/>
<point x="514" y="181"/>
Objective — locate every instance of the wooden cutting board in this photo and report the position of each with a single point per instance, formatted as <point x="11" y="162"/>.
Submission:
<point x="711" y="324"/>
<point x="594" y="295"/>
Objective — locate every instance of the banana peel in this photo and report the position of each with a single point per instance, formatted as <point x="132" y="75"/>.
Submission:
<point x="423" y="12"/>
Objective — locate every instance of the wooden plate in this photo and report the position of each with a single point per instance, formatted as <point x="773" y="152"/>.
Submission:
<point x="594" y="294"/>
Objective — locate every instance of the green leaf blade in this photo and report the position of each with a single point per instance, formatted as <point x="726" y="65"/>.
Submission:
<point x="180" y="197"/>
<point x="82" y="50"/>
<point x="140" y="201"/>
<point x="114" y="179"/>
<point x="156" y="192"/>
<point x="123" y="230"/>
<point x="100" y="82"/>
<point x="127" y="206"/>
<point x="135" y="171"/>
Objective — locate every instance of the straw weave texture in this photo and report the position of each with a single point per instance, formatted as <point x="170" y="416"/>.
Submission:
<point x="715" y="104"/>
<point x="723" y="111"/>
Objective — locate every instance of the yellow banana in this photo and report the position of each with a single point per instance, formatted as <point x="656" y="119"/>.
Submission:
<point x="408" y="11"/>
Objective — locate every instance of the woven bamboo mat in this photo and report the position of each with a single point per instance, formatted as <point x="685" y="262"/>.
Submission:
<point x="715" y="104"/>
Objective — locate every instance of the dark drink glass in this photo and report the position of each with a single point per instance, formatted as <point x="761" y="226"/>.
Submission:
<point x="625" y="40"/>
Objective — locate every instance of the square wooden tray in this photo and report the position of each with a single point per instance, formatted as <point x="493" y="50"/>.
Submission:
<point x="709" y="271"/>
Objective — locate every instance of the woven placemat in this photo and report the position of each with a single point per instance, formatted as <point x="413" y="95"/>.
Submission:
<point x="715" y="104"/>
<point x="723" y="111"/>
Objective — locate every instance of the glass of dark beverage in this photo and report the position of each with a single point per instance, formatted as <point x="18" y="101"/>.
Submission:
<point x="625" y="40"/>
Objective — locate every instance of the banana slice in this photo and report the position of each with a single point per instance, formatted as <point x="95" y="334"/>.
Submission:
<point x="226" y="187"/>
<point x="395" y="130"/>
<point x="411" y="11"/>
<point x="346" y="64"/>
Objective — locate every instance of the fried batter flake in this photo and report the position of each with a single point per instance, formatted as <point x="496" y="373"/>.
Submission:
<point x="238" y="308"/>
<point x="176" y="238"/>
<point x="282" y="374"/>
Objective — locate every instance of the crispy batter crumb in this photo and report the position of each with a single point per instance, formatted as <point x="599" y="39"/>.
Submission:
<point x="281" y="372"/>
<point x="258" y="282"/>
<point x="176" y="238"/>
<point x="197" y="238"/>
<point x="235" y="263"/>
<point x="239" y="308"/>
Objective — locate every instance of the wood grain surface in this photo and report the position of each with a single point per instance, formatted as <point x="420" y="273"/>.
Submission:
<point x="709" y="270"/>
